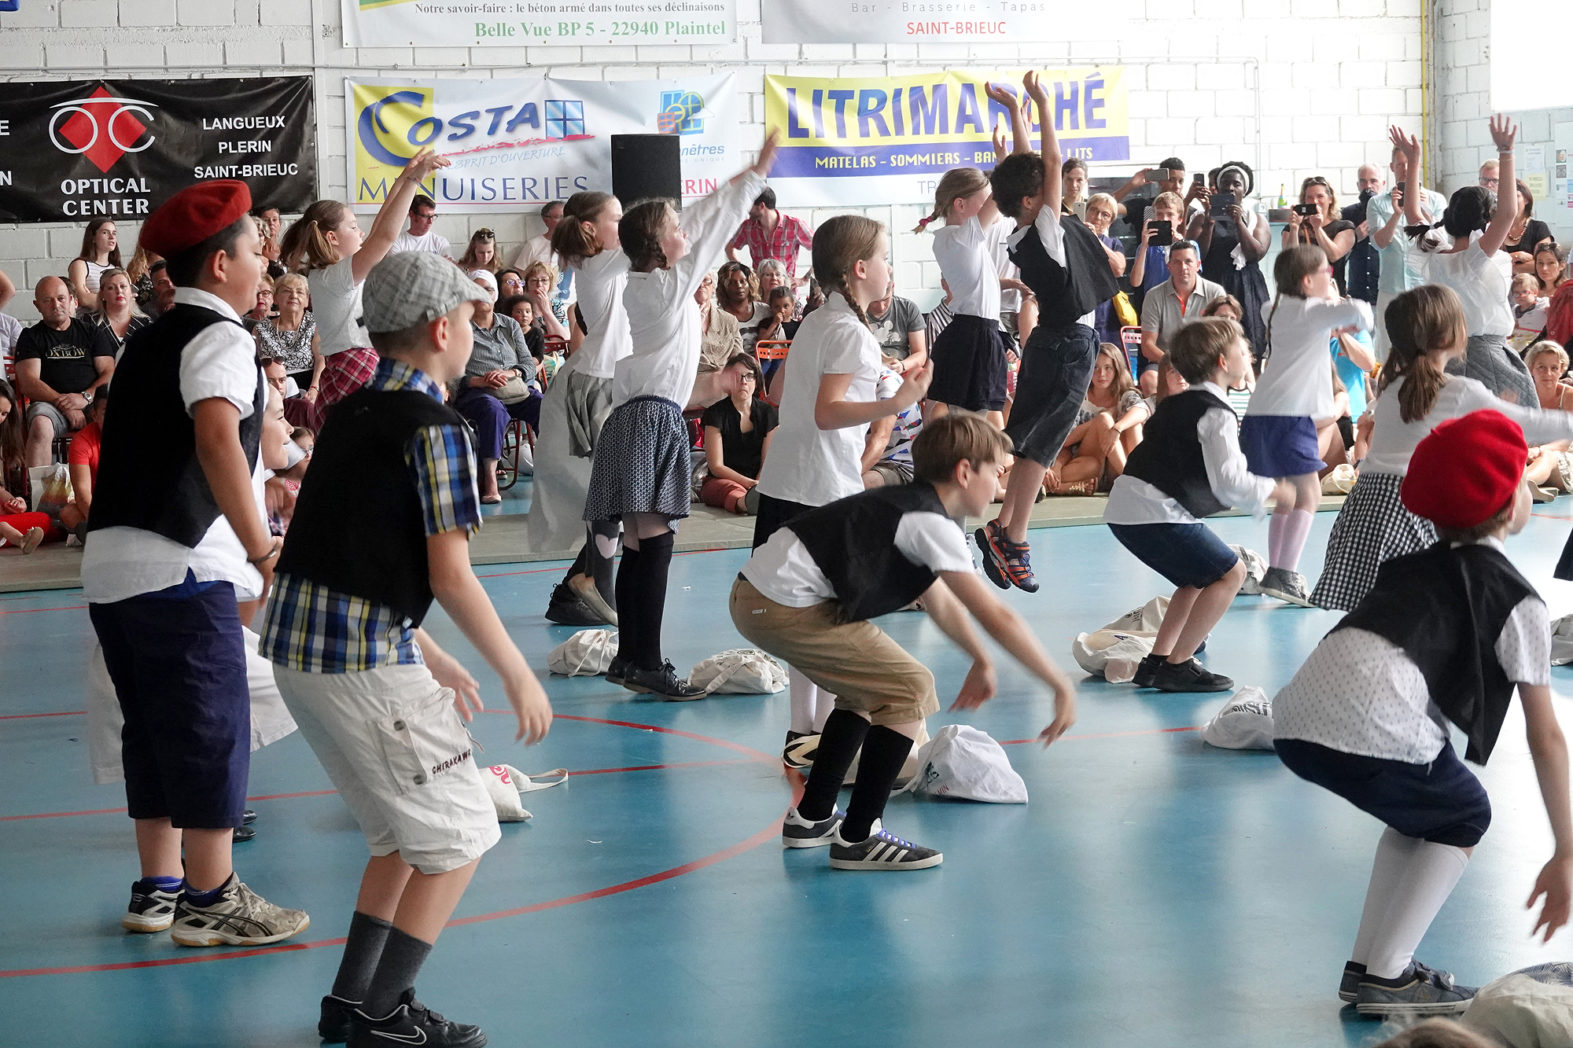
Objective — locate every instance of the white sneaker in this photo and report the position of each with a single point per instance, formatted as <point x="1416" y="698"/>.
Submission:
<point x="240" y="917"/>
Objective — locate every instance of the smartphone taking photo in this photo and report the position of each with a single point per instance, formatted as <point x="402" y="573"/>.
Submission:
<point x="1163" y="232"/>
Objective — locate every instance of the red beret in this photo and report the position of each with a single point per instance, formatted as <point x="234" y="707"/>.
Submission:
<point x="1465" y="470"/>
<point x="194" y="214"/>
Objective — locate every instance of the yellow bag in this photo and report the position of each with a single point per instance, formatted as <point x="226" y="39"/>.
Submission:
<point x="1124" y="311"/>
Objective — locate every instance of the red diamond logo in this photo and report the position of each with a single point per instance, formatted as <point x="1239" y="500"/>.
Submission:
<point x="102" y="128"/>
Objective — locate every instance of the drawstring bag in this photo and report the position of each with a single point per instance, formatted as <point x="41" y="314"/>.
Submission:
<point x="1255" y="568"/>
<point x="1562" y="641"/>
<point x="740" y="671"/>
<point x="963" y="763"/>
<point x="1245" y="723"/>
<point x="51" y="489"/>
<point x="1113" y="650"/>
<point x="505" y="783"/>
<point x="1340" y="480"/>
<point x="586" y="654"/>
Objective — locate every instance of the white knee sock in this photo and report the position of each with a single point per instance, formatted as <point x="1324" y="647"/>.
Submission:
<point x="1424" y="880"/>
<point x="804" y="697"/>
<point x="1393" y="852"/>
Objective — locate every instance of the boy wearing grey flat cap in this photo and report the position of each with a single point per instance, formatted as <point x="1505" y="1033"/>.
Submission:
<point x="372" y="693"/>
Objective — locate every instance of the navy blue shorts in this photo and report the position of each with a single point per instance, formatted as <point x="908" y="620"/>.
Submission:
<point x="178" y="662"/>
<point x="1056" y="367"/>
<point x="1185" y="554"/>
<point x="1441" y="802"/>
<point x="1280" y="445"/>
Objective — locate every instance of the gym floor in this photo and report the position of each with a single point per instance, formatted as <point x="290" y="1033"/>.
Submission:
<point x="1154" y="891"/>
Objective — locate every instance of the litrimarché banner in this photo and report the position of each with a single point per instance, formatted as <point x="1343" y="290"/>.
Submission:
<point x="879" y="140"/>
<point x="77" y="149"/>
<point x="514" y="143"/>
<point x="536" y="23"/>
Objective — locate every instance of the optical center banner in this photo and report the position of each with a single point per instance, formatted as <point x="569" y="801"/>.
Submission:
<point x="517" y="143"/>
<point x="536" y="23"/>
<point x="79" y="149"/>
<point x="882" y="140"/>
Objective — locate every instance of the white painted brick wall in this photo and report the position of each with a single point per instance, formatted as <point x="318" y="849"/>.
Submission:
<point x="1332" y="74"/>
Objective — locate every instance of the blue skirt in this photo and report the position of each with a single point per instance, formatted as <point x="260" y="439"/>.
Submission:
<point x="1280" y="445"/>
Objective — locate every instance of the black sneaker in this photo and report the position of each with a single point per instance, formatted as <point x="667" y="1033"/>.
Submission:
<point x="882" y="850"/>
<point x="1349" y="985"/>
<point x="566" y="609"/>
<point x="800" y="750"/>
<point x="412" y="1023"/>
<point x="337" y="1015"/>
<point x="248" y="817"/>
<point x="1189" y="675"/>
<point x="1147" y="670"/>
<point x="243" y="834"/>
<point x="798" y="832"/>
<point x="663" y="683"/>
<point x="617" y="671"/>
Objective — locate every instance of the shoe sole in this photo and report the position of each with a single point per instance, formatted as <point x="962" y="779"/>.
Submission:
<point x="1287" y="597"/>
<point x="806" y="842"/>
<point x="991" y="570"/>
<point x="591" y="598"/>
<point x="1199" y="689"/>
<point x="563" y="618"/>
<point x="862" y="866"/>
<point x="145" y="925"/>
<point x="1407" y="1011"/>
<point x="213" y="938"/>
<point x="639" y="689"/>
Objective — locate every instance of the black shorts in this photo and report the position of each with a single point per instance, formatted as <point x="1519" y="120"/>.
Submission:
<point x="1056" y="368"/>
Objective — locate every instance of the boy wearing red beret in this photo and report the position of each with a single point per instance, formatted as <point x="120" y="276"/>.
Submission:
<point x="176" y="539"/>
<point x="1445" y="635"/>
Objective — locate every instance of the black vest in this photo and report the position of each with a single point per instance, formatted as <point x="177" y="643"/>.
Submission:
<point x="148" y="473"/>
<point x="1446" y="608"/>
<point x="853" y="540"/>
<point x="1170" y="455"/>
<point x="358" y="527"/>
<point x="1069" y="292"/>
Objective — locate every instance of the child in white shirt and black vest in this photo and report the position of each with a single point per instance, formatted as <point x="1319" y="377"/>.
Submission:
<point x="1189" y="466"/>
<point x="1444" y="636"/>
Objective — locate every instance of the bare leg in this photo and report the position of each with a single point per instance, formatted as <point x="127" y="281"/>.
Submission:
<point x="158" y="849"/>
<point x="428" y="900"/>
<point x="208" y="863"/>
<point x="1207" y="608"/>
<point x="1021" y="491"/>
<point x="489" y="479"/>
<point x="40" y="442"/>
<point x="1174" y="620"/>
<point x="382" y="885"/>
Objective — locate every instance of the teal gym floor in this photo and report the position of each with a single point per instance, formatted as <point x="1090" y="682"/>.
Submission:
<point x="1153" y="892"/>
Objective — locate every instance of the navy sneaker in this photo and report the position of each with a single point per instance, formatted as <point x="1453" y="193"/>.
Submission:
<point x="151" y="909"/>
<point x="1349" y="985"/>
<point x="1419" y="992"/>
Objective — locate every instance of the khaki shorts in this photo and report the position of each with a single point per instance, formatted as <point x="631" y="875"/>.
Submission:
<point x="857" y="662"/>
<point x="399" y="754"/>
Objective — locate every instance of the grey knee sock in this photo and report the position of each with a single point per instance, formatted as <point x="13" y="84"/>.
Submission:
<point x="361" y="950"/>
<point x="402" y="957"/>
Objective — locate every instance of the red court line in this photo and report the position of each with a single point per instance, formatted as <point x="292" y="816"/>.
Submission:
<point x="31" y="716"/>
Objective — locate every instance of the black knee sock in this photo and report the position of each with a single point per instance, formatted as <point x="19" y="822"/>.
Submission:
<point x="655" y="561"/>
<point x="362" y="949"/>
<point x="884" y="752"/>
<point x="838" y="744"/>
<point x="402" y="957"/>
<point x="579" y="565"/>
<point x="597" y="566"/>
<point x="628" y="611"/>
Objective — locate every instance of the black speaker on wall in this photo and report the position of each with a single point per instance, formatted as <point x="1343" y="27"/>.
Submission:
<point x="645" y="166"/>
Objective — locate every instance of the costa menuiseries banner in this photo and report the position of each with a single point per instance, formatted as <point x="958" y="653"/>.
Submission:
<point x="536" y="23"/>
<point x="881" y="140"/>
<point x="514" y="143"/>
<point x="78" y="149"/>
<point x="934" y="21"/>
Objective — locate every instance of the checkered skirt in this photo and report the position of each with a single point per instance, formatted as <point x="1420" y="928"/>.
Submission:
<point x="1372" y="527"/>
<point x="641" y="463"/>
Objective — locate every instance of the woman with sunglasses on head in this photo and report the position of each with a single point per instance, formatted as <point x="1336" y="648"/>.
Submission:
<point x="1325" y="227"/>
<point x="481" y="253"/>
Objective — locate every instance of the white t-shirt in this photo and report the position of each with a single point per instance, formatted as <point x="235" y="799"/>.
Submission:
<point x="124" y="562"/>
<point x="783" y="570"/>
<point x="1297" y="379"/>
<point x="601" y="282"/>
<point x="1393" y="440"/>
<point x="966" y="257"/>
<point x="1359" y="693"/>
<point x="1481" y="281"/>
<point x="663" y="318"/>
<point x="335" y="302"/>
<point x="536" y="249"/>
<point x="10" y="331"/>
<point x="430" y="241"/>
<point x="806" y="464"/>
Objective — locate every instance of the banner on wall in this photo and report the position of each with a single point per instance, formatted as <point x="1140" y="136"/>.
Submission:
<point x="536" y="23"/>
<point x="880" y="140"/>
<point x="514" y="143"/>
<point x="932" y="21"/>
<point x="79" y="149"/>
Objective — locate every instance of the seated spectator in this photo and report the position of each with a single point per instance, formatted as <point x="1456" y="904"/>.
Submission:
<point x="82" y="460"/>
<point x="771" y="274"/>
<point x="1229" y="307"/>
<point x="887" y="452"/>
<point x="18" y="527"/>
<point x="420" y="236"/>
<point x="1354" y="358"/>
<point x="539" y="248"/>
<point x="782" y="305"/>
<point x="522" y="310"/>
<point x="898" y="325"/>
<point x="61" y="361"/>
<point x="270" y="227"/>
<point x="540" y="283"/>
<point x="282" y="489"/>
<point x="1150" y="266"/>
<point x="163" y="288"/>
<point x="117" y="311"/>
<point x="1551" y="267"/>
<point x="262" y="309"/>
<point x="1335" y="436"/>
<point x="1168" y="307"/>
<point x="1550" y="468"/>
<point x="720" y="340"/>
<point x="1326" y="227"/>
<point x="1526" y="234"/>
<point x="737" y="438"/>
<point x="100" y="252"/>
<point x="938" y="319"/>
<point x="1107" y="427"/>
<point x="1170" y="382"/>
<point x="498" y="384"/>
<point x="1529" y="311"/>
<point x="1101" y="209"/>
<point x="139" y="269"/>
<point x="510" y="282"/>
<point x="291" y="336"/>
<point x="737" y="294"/>
<point x="481" y="253"/>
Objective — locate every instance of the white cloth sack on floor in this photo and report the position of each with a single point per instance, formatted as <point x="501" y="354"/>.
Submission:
<point x="1562" y="641"/>
<point x="740" y="671"/>
<point x="1530" y="1008"/>
<point x="1340" y="480"/>
<point x="270" y="721"/>
<point x="964" y="763"/>
<point x="51" y="489"/>
<point x="505" y="783"/>
<point x="586" y="654"/>
<point x="1255" y="568"/>
<point x="1113" y="650"/>
<point x="909" y="767"/>
<point x="1245" y="722"/>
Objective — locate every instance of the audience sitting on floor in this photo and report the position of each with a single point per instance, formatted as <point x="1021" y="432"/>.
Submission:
<point x="1550" y="468"/>
<point x="737" y="294"/>
<point x="720" y="337"/>
<point x="737" y="439"/>
<point x="18" y="528"/>
<point x="887" y="452"/>
<point x="1108" y="426"/>
<point x="897" y="323"/>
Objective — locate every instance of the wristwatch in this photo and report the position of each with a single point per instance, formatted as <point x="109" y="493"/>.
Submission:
<point x="86" y="395"/>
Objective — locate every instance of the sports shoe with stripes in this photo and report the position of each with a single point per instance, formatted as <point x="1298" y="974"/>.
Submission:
<point x="991" y="570"/>
<point x="882" y="851"/>
<point x="1012" y="560"/>
<point x="151" y="910"/>
<point x="798" y="832"/>
<point x="240" y="917"/>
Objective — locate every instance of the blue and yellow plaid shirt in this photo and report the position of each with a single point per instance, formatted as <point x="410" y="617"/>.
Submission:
<point x="313" y="628"/>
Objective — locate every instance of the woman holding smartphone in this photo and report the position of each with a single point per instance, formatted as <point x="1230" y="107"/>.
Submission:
<point x="1234" y="240"/>
<point x="1317" y="220"/>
